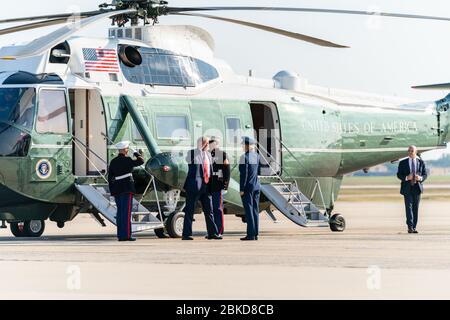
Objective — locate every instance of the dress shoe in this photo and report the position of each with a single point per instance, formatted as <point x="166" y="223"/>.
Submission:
<point x="132" y="239"/>
<point x="247" y="239"/>
<point x="410" y="231"/>
<point x="187" y="238"/>
<point x="256" y="238"/>
<point x="214" y="238"/>
<point x="415" y="231"/>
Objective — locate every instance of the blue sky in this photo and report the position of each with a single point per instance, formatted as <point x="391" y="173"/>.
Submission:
<point x="387" y="55"/>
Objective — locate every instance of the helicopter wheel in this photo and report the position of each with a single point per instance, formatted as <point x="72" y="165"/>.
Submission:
<point x="17" y="229"/>
<point x="174" y="224"/>
<point x="337" y="223"/>
<point x="34" y="228"/>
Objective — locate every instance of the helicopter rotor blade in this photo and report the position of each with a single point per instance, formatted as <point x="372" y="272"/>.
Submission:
<point x="40" y="45"/>
<point x="34" y="25"/>
<point x="173" y="10"/>
<point x="440" y="86"/>
<point x="54" y="16"/>
<point x="294" y="35"/>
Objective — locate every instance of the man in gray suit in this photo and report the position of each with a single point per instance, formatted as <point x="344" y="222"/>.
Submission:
<point x="412" y="173"/>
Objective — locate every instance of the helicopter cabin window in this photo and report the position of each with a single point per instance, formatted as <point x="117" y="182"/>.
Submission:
<point x="52" y="114"/>
<point x="172" y="127"/>
<point x="233" y="131"/>
<point x="165" y="68"/>
<point x="136" y="134"/>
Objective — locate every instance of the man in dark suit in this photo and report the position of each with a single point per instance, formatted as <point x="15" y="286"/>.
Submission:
<point x="412" y="173"/>
<point x="249" y="169"/>
<point x="197" y="188"/>
<point x="219" y="181"/>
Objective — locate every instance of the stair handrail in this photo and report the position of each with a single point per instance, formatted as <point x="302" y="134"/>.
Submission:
<point x="307" y="171"/>
<point x="88" y="159"/>
<point x="75" y="139"/>
<point x="291" y="193"/>
<point x="317" y="181"/>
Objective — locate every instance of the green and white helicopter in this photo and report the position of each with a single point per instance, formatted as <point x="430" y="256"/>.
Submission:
<point x="65" y="100"/>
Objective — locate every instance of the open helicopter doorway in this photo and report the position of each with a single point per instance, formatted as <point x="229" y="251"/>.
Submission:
<point x="268" y="133"/>
<point x="88" y="119"/>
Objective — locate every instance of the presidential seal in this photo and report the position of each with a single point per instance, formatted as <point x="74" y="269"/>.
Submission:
<point x="44" y="169"/>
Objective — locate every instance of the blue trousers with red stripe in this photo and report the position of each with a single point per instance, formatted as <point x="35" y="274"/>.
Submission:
<point x="217" y="200"/>
<point x="124" y="204"/>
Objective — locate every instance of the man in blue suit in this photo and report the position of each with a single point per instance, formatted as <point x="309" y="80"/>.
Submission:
<point x="197" y="188"/>
<point x="412" y="173"/>
<point x="250" y="187"/>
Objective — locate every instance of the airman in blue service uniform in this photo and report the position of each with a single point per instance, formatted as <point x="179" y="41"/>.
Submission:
<point x="219" y="181"/>
<point x="121" y="186"/>
<point x="250" y="187"/>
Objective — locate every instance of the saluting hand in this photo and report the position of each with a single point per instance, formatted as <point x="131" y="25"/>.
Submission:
<point x="242" y="194"/>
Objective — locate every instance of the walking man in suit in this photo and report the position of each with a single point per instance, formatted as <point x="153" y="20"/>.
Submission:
<point x="250" y="187"/>
<point x="412" y="173"/>
<point x="197" y="188"/>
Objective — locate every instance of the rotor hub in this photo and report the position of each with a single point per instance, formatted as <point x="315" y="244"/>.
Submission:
<point x="146" y="10"/>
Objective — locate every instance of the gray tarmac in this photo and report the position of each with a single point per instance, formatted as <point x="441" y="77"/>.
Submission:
<point x="374" y="258"/>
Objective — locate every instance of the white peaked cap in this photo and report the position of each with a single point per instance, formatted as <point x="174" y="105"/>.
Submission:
<point x="123" y="145"/>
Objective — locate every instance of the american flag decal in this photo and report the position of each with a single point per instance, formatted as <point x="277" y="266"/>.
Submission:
<point x="100" y="60"/>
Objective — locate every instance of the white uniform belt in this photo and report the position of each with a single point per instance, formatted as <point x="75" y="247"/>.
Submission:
<point x="128" y="175"/>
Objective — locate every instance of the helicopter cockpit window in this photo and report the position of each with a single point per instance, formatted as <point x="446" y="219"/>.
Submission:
<point x="17" y="106"/>
<point x="165" y="68"/>
<point x="52" y="114"/>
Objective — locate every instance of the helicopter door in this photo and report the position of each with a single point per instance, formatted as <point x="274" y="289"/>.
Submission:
<point x="90" y="147"/>
<point x="267" y="127"/>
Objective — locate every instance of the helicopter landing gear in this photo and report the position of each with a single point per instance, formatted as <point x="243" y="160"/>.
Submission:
<point x="17" y="229"/>
<point x="31" y="228"/>
<point x="3" y="226"/>
<point x="173" y="226"/>
<point x="34" y="228"/>
<point x="337" y="223"/>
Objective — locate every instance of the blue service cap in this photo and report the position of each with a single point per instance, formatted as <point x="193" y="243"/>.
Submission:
<point x="248" y="141"/>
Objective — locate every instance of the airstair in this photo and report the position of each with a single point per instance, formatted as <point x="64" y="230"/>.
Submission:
<point x="286" y="196"/>
<point x="99" y="197"/>
<point x="97" y="200"/>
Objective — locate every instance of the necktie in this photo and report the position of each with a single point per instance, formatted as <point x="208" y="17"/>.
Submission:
<point x="413" y="171"/>
<point x="205" y="168"/>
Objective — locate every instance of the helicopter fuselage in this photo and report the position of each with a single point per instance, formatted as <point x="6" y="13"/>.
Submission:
<point x="306" y="135"/>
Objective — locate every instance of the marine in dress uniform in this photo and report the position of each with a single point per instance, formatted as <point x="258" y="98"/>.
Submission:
<point x="197" y="189"/>
<point x="412" y="173"/>
<point x="121" y="186"/>
<point x="219" y="181"/>
<point x="249" y="168"/>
